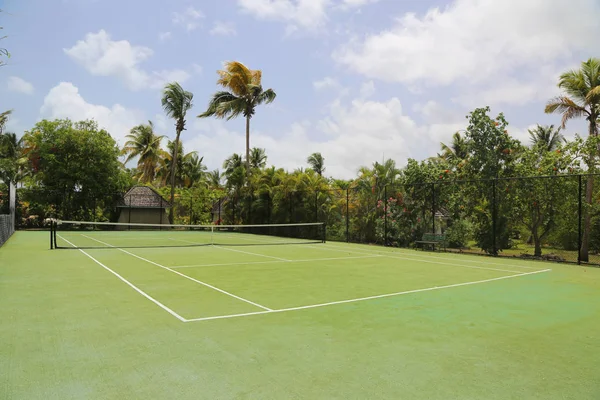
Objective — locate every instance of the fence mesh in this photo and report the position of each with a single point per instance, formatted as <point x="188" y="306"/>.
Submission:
<point x="7" y="221"/>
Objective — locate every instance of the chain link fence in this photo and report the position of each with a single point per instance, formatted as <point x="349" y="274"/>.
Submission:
<point x="555" y="218"/>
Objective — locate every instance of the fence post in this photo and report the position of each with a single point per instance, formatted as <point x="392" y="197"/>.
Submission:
<point x="347" y="219"/>
<point x="191" y="208"/>
<point x="385" y="210"/>
<point x="220" y="203"/>
<point x="579" y="222"/>
<point x="494" y="249"/>
<point x="433" y="208"/>
<point x="316" y="205"/>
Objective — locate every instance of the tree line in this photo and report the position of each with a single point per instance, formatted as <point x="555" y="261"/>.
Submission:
<point x="75" y="169"/>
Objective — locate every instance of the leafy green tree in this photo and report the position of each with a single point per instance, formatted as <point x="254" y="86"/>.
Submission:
<point x="144" y="143"/>
<point x="317" y="163"/>
<point x="176" y="102"/>
<point x="492" y="155"/>
<point x="537" y="202"/>
<point x="243" y="93"/>
<point x="74" y="167"/>
<point x="582" y="99"/>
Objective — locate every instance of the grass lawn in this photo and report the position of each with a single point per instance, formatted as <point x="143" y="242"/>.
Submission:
<point x="310" y="321"/>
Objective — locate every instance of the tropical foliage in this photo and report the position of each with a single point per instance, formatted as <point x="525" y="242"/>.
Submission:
<point x="485" y="190"/>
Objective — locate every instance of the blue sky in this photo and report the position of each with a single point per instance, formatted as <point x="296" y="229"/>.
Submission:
<point x="357" y="80"/>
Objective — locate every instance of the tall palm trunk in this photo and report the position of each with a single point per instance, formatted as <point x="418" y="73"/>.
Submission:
<point x="248" y="146"/>
<point x="173" y="169"/>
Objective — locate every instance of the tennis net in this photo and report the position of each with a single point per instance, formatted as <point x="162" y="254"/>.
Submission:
<point x="91" y="235"/>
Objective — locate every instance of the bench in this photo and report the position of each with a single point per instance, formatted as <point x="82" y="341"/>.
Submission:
<point x="431" y="240"/>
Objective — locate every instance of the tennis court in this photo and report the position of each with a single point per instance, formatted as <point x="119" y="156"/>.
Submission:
<point x="236" y="314"/>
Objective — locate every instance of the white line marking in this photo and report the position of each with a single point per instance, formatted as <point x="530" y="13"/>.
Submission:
<point x="386" y="254"/>
<point x="367" y="298"/>
<point x="237" y="251"/>
<point x="276" y="262"/>
<point x="457" y="256"/>
<point x="252" y="254"/>
<point x="185" y="276"/>
<point x="140" y="291"/>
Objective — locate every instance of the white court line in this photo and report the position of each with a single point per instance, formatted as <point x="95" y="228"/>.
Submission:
<point x="140" y="291"/>
<point x="237" y="251"/>
<point x="366" y="298"/>
<point x="276" y="262"/>
<point x="408" y="252"/>
<point x="385" y="254"/>
<point x="185" y="276"/>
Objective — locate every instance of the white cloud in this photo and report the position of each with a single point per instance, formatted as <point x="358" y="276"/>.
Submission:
<point x="164" y="36"/>
<point x="223" y="29"/>
<point x="65" y="101"/>
<point x="346" y="4"/>
<point x="306" y="14"/>
<point x="325" y="83"/>
<point x="355" y="134"/>
<point x="473" y="40"/>
<point x="367" y="89"/>
<point x="101" y="56"/>
<point x="16" y="84"/>
<point x="197" y="68"/>
<point x="189" y="19"/>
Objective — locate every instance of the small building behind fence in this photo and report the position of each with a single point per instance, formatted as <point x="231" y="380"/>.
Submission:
<point x="143" y="205"/>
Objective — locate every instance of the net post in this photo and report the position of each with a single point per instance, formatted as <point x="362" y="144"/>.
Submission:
<point x="55" y="229"/>
<point x="51" y="237"/>
<point x="579" y="222"/>
<point x="324" y="232"/>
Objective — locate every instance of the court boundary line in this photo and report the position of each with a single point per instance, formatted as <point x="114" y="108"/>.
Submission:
<point x="429" y="289"/>
<point x="408" y="252"/>
<point x="428" y="261"/>
<point x="140" y="291"/>
<point x="183" y="275"/>
<point x="276" y="262"/>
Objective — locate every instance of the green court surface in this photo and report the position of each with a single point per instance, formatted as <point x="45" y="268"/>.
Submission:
<point x="293" y="321"/>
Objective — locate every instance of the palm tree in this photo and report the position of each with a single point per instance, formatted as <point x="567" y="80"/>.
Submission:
<point x="258" y="158"/>
<point x="232" y="163"/>
<point x="4" y="119"/>
<point x="193" y="169"/>
<point x="176" y="102"/>
<point x="243" y="93"/>
<point x="581" y="99"/>
<point x="317" y="163"/>
<point x="143" y="142"/>
<point x="545" y="138"/>
<point x="183" y="165"/>
<point x="215" y="180"/>
<point x="457" y="152"/>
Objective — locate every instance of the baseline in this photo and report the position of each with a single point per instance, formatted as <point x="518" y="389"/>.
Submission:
<point x="429" y="289"/>
<point x="185" y="276"/>
<point x="140" y="291"/>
